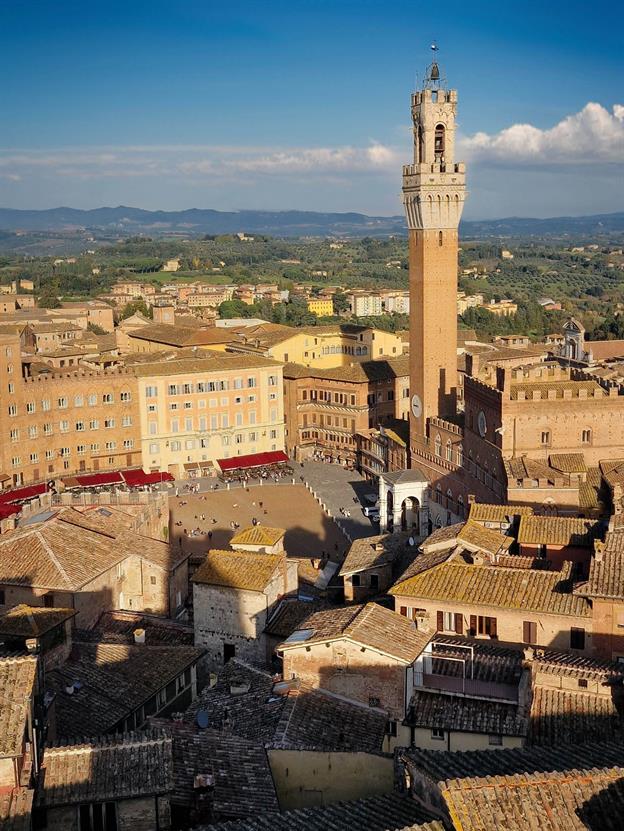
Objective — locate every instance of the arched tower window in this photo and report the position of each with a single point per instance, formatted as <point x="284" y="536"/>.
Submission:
<point x="440" y="238"/>
<point x="438" y="445"/>
<point x="439" y="142"/>
<point x="421" y="143"/>
<point x="449" y="451"/>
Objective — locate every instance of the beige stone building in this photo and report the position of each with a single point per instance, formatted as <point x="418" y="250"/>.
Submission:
<point x="362" y="653"/>
<point x="234" y="593"/>
<point x="62" y="422"/>
<point x="196" y="410"/>
<point x="321" y="347"/>
<point x="325" y="409"/>
<point x="118" y="568"/>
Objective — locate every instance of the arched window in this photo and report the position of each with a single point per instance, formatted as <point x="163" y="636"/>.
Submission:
<point x="421" y="144"/>
<point x="439" y="142"/>
<point x="438" y="445"/>
<point x="460" y="455"/>
<point x="438" y="494"/>
<point x="586" y="436"/>
<point x="449" y="451"/>
<point x="440" y="238"/>
<point x="460" y="505"/>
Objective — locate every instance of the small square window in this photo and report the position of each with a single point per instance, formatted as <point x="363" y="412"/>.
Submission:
<point x="437" y="733"/>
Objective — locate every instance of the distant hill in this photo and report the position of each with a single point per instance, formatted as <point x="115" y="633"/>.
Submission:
<point x="125" y="221"/>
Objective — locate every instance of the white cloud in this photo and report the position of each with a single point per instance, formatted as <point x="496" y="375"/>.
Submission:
<point x="200" y="161"/>
<point x="593" y="135"/>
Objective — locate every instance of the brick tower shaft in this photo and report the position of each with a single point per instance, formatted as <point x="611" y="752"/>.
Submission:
<point x="433" y="195"/>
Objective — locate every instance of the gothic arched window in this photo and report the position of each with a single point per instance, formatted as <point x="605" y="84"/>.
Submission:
<point x="438" y="445"/>
<point x="439" y="142"/>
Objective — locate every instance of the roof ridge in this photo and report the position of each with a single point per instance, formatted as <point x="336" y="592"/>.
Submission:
<point x="54" y="558"/>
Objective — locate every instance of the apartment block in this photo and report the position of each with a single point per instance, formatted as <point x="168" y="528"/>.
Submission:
<point x="200" y="409"/>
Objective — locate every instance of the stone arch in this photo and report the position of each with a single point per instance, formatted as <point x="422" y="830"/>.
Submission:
<point x="410" y="514"/>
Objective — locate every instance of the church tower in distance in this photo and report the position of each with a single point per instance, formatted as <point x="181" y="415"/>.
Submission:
<point x="433" y="195"/>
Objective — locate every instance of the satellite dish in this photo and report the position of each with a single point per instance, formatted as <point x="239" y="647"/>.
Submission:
<point x="412" y="541"/>
<point x="202" y="719"/>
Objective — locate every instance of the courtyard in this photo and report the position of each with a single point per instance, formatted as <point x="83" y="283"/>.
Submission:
<point x="310" y="533"/>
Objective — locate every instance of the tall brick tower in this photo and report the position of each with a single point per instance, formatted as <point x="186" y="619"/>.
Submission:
<point x="433" y="195"/>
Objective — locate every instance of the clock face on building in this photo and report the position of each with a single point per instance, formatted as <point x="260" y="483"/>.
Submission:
<point x="482" y="423"/>
<point x="416" y="406"/>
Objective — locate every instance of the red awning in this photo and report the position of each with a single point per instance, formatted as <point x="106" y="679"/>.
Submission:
<point x="19" y="494"/>
<point x="9" y="510"/>
<point x="273" y="457"/>
<point x="92" y="480"/>
<point x="135" y="478"/>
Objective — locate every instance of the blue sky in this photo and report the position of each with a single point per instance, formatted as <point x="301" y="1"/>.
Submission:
<point x="305" y="104"/>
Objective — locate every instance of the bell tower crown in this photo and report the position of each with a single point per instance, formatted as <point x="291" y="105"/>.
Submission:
<point x="434" y="184"/>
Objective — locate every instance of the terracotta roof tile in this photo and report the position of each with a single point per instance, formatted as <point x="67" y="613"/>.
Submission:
<point x="242" y="781"/>
<point x="369" y="552"/>
<point x="469" y="715"/>
<point x="568" y="462"/>
<point x="238" y="569"/>
<point x="483" y="512"/>
<point x="369" y="625"/>
<point x="606" y="570"/>
<point x="572" y="800"/>
<point x="389" y="812"/>
<point x="17" y="687"/>
<point x="258" y="535"/>
<point x="116" y="767"/>
<point x="485" y="539"/>
<point x="557" y="530"/>
<point x="315" y="720"/>
<point x="564" y="717"/>
<point x="32" y="621"/>
<point x="506" y="588"/>
<point x="443" y="765"/>
<point x="16" y="809"/>
<point x="114" y="679"/>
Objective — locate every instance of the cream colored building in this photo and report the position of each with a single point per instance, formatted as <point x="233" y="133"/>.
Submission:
<point x="321" y="347"/>
<point x="200" y="409"/>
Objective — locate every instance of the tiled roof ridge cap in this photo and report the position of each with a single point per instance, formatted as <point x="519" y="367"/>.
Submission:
<point x="84" y="744"/>
<point x="251" y="667"/>
<point x="537" y="778"/>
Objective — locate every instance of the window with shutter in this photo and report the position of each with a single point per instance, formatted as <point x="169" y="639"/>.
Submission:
<point x="529" y="632"/>
<point x="440" y="622"/>
<point x="459" y="624"/>
<point x="473" y="625"/>
<point x="403" y="611"/>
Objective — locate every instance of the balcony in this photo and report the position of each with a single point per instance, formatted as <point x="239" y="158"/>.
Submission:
<point x="467" y="672"/>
